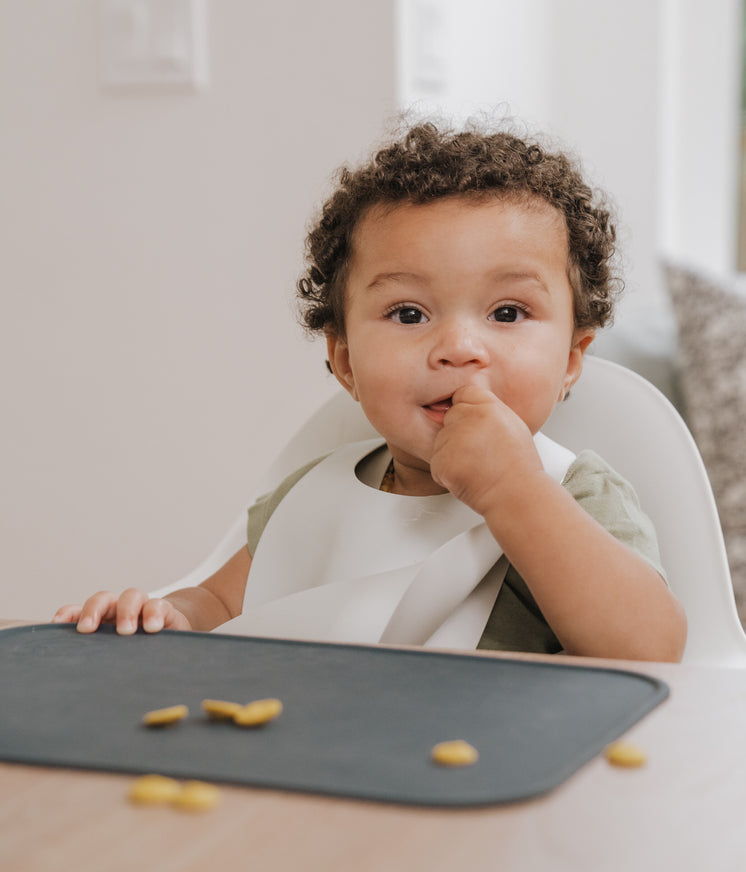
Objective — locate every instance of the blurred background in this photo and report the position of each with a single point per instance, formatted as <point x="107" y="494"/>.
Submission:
<point x="160" y="161"/>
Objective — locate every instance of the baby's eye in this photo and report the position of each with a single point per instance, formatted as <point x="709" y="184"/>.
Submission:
<point x="508" y="314"/>
<point x="407" y="315"/>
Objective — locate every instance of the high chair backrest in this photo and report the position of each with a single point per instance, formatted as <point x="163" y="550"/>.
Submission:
<point x="634" y="428"/>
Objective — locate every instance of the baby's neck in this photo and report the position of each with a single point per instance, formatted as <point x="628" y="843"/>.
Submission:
<point x="379" y="470"/>
<point x="414" y="482"/>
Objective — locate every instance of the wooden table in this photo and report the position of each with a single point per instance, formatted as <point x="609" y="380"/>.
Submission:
<point x="685" y="810"/>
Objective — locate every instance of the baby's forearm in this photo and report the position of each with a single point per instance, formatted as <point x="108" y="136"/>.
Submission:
<point x="200" y="607"/>
<point x="600" y="597"/>
<point x="219" y="598"/>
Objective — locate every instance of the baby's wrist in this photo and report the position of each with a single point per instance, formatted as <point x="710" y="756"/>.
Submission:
<point x="513" y="502"/>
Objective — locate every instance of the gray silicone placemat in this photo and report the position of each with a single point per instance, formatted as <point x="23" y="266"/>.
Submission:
<point x="357" y="722"/>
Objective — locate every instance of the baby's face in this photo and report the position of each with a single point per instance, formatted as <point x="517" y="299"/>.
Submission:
<point x="453" y="293"/>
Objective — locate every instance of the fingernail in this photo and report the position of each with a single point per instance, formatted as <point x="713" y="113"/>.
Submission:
<point x="85" y="625"/>
<point x="126" y="628"/>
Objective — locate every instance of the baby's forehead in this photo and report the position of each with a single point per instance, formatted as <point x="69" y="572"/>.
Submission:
<point x="525" y="201"/>
<point x="397" y="216"/>
<point x="460" y="242"/>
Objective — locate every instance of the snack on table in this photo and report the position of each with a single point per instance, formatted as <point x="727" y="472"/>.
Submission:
<point x="625" y="754"/>
<point x="154" y="790"/>
<point x="197" y="796"/>
<point x="165" y="716"/>
<point x="455" y="753"/>
<point x="257" y="713"/>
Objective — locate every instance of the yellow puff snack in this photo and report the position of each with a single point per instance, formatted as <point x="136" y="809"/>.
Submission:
<point x="154" y="790"/>
<point x="625" y="754"/>
<point x="197" y="796"/>
<point x="259" y="712"/>
<point x="455" y="753"/>
<point x="220" y="709"/>
<point x="164" y="717"/>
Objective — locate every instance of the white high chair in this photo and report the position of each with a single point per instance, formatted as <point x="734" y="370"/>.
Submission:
<point x="637" y="430"/>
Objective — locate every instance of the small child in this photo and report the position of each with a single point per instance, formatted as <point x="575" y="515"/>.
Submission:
<point x="458" y="279"/>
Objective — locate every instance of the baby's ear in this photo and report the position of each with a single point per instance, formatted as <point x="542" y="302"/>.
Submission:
<point x="581" y="340"/>
<point x="339" y="363"/>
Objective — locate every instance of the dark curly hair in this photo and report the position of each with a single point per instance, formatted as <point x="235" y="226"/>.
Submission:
<point x="427" y="164"/>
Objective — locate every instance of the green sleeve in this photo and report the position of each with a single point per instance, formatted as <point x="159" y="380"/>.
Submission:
<point x="612" y="501"/>
<point x="516" y="622"/>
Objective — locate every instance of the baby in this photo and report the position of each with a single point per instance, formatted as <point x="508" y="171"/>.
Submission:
<point x="458" y="279"/>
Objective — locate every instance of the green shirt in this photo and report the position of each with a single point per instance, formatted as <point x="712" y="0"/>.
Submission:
<point x="516" y="622"/>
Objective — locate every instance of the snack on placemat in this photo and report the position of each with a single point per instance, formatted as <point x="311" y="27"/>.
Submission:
<point x="165" y="716"/>
<point x="455" y="753"/>
<point x="258" y="713"/>
<point x="221" y="709"/>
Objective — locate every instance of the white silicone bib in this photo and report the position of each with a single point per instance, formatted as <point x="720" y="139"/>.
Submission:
<point x="341" y="561"/>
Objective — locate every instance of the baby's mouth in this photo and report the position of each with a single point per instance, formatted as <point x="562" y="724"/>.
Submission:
<point x="441" y="406"/>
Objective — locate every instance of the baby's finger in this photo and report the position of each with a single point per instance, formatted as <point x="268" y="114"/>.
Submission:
<point x="67" y="614"/>
<point x="102" y="606"/>
<point x="154" y="615"/>
<point x="472" y="394"/>
<point x="160" y="614"/>
<point x="129" y="607"/>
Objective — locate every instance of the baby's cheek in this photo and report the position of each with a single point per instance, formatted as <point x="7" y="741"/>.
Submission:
<point x="534" y="406"/>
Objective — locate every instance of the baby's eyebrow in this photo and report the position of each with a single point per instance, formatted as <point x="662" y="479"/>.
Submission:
<point x="521" y="276"/>
<point x="394" y="278"/>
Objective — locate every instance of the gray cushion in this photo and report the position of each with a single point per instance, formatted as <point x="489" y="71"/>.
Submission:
<point x="711" y="357"/>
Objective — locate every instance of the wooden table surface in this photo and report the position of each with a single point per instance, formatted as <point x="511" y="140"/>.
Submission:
<point x="684" y="810"/>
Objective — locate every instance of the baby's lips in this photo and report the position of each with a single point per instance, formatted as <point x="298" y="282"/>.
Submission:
<point x="441" y="405"/>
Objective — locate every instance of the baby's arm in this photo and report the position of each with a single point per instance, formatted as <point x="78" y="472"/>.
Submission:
<point x="599" y="596"/>
<point x="215" y="601"/>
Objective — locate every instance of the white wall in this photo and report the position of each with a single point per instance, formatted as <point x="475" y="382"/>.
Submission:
<point x="700" y="132"/>
<point x="149" y="353"/>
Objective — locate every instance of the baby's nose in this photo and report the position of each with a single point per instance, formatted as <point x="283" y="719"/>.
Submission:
<point x="459" y="344"/>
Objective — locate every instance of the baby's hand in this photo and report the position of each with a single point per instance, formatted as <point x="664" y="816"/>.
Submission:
<point x="125" y="611"/>
<point x="482" y="444"/>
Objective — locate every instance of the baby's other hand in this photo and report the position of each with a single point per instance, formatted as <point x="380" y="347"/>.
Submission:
<point x="125" y="612"/>
<point x="482" y="445"/>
